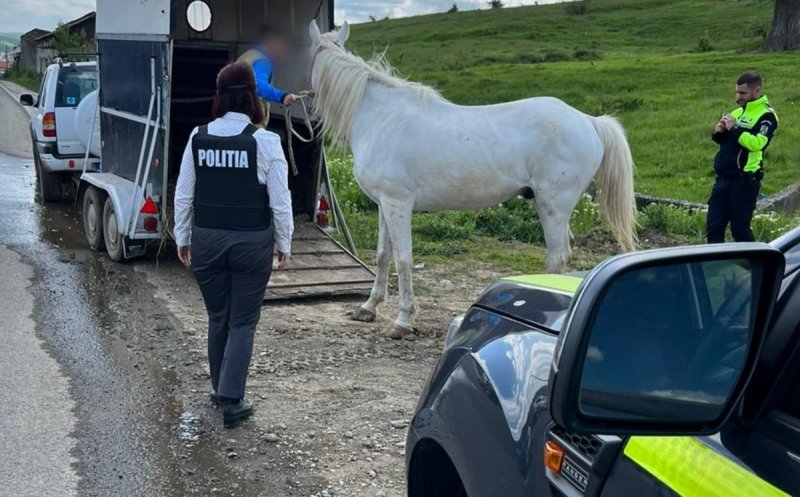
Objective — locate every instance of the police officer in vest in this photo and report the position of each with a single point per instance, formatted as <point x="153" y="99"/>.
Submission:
<point x="233" y="182"/>
<point x="271" y="48"/>
<point x="743" y="137"/>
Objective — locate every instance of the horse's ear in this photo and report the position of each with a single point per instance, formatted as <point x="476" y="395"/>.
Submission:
<point x="313" y="31"/>
<point x="344" y="33"/>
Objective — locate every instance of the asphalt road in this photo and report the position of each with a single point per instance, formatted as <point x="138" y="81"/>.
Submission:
<point x="89" y="400"/>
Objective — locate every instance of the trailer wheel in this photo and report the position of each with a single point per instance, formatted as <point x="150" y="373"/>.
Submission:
<point x="49" y="183"/>
<point x="111" y="233"/>
<point x="93" y="208"/>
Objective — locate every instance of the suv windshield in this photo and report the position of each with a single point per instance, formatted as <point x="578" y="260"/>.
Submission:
<point x="74" y="83"/>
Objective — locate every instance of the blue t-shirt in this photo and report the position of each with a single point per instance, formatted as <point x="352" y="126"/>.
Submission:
<point x="262" y="68"/>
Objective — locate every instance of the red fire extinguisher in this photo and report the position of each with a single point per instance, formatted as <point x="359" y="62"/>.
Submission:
<point x="322" y="212"/>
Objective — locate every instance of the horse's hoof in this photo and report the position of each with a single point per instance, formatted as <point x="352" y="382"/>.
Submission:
<point x="397" y="332"/>
<point x="363" y="315"/>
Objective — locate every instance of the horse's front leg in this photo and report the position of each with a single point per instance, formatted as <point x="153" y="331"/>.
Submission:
<point x="397" y="217"/>
<point x="368" y="311"/>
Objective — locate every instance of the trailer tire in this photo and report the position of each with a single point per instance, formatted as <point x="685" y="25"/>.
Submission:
<point x="113" y="238"/>
<point x="93" y="211"/>
<point x="49" y="183"/>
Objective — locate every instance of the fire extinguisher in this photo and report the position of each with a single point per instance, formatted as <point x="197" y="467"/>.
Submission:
<point x="323" y="209"/>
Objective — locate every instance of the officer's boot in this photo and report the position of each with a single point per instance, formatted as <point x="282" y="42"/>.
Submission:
<point x="235" y="413"/>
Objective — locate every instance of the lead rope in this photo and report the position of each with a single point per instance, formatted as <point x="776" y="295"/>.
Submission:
<point x="290" y="131"/>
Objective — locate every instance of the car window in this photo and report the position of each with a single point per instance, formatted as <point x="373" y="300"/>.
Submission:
<point x="792" y="259"/>
<point x="74" y="83"/>
<point x="42" y="102"/>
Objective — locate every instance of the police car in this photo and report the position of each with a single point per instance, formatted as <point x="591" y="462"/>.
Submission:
<point x="672" y="372"/>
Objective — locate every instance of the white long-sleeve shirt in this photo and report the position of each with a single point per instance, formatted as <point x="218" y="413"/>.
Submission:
<point x="272" y="172"/>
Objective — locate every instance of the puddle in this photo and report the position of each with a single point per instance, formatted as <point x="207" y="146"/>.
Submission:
<point x="187" y="429"/>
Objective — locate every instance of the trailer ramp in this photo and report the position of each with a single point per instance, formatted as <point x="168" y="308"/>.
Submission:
<point x="320" y="267"/>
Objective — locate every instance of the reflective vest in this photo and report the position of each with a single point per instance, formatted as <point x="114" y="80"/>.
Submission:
<point x="742" y="148"/>
<point x="227" y="192"/>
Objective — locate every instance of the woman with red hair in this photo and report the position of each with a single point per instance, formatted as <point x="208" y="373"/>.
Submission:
<point x="232" y="210"/>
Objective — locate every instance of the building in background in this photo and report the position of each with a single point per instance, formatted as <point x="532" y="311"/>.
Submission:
<point x="27" y="49"/>
<point x="36" y="46"/>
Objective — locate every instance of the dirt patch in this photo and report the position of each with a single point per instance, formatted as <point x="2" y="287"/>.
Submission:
<point x="333" y="396"/>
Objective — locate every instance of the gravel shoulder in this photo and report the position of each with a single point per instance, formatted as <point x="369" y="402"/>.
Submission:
<point x="333" y="396"/>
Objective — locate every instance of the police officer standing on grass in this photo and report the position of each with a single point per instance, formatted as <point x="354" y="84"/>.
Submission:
<point x="233" y="178"/>
<point x="743" y="137"/>
<point x="272" y="47"/>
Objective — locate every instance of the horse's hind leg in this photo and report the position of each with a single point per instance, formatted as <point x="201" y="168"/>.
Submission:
<point x="554" y="212"/>
<point x="368" y="310"/>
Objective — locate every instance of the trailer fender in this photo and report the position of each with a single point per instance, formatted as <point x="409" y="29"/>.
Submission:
<point x="121" y="192"/>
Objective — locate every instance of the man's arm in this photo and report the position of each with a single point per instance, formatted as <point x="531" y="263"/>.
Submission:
<point x="757" y="138"/>
<point x="263" y="72"/>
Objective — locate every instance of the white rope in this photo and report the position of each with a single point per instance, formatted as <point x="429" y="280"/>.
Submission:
<point x="290" y="131"/>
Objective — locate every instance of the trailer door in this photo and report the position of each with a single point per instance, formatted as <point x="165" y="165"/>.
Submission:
<point x="134" y="46"/>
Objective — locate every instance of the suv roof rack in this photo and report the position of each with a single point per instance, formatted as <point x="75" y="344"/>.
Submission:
<point x="61" y="58"/>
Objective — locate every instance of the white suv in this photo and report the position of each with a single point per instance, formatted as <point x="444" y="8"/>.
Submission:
<point x="57" y="148"/>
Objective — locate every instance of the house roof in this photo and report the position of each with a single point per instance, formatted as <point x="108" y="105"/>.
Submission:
<point x="35" y="33"/>
<point x="70" y="25"/>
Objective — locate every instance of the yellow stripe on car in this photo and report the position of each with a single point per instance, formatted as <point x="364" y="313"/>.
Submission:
<point x="560" y="282"/>
<point x="692" y="469"/>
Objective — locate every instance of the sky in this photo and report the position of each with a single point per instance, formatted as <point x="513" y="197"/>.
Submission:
<point x="20" y="16"/>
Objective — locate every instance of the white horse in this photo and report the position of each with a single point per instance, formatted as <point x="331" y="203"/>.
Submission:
<point x="414" y="150"/>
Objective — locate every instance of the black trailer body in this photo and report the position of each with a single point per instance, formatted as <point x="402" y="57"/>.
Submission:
<point x="157" y="62"/>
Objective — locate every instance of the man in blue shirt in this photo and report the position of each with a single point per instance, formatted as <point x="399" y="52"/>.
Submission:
<point x="273" y="47"/>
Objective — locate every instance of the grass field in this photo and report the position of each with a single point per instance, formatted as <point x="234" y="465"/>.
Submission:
<point x="666" y="69"/>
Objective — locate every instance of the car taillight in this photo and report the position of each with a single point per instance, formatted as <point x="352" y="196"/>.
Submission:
<point x="149" y="213"/>
<point x="49" y="125"/>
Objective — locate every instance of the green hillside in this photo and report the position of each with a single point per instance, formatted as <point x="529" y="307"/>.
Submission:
<point x="666" y="69"/>
<point x="9" y="39"/>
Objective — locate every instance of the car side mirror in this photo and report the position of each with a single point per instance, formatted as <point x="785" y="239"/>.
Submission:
<point x="27" y="99"/>
<point x="664" y="342"/>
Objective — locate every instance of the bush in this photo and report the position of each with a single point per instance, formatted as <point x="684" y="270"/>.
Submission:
<point x="704" y="44"/>
<point x="555" y="57"/>
<point x="577" y="8"/>
<point x="759" y="30"/>
<point x="528" y="58"/>
<point x="453" y="9"/>
<point x="586" y="216"/>
<point x="586" y="54"/>
<point x="349" y="194"/>
<point x="495" y="4"/>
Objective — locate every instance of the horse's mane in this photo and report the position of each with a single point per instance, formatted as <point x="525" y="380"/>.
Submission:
<point x="342" y="82"/>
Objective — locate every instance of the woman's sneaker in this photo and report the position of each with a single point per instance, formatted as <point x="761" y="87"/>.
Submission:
<point x="233" y="414"/>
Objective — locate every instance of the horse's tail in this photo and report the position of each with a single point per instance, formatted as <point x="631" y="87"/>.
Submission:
<point x="615" y="181"/>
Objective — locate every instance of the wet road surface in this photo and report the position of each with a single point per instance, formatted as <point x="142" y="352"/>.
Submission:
<point x="101" y="408"/>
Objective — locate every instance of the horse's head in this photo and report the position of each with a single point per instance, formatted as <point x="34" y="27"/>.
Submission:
<point x="333" y="40"/>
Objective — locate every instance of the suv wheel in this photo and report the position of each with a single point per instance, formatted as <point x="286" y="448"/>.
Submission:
<point x="111" y="233"/>
<point x="93" y="207"/>
<point x="49" y="183"/>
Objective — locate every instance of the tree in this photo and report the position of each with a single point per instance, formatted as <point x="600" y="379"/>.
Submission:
<point x="495" y="4"/>
<point x="453" y="9"/>
<point x="785" y="31"/>
<point x="66" y="41"/>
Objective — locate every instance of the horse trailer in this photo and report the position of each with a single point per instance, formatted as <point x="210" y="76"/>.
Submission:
<point x="157" y="65"/>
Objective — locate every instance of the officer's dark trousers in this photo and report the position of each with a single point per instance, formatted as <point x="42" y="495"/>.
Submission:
<point x="233" y="269"/>
<point x="733" y="201"/>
